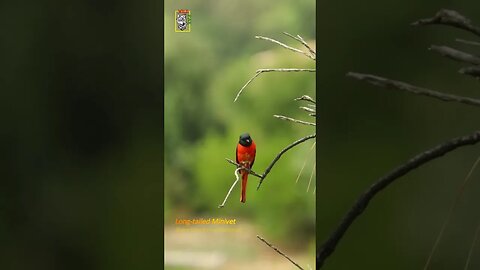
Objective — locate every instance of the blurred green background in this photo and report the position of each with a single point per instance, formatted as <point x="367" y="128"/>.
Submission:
<point x="204" y="70"/>
<point x="80" y="139"/>
<point x="366" y="131"/>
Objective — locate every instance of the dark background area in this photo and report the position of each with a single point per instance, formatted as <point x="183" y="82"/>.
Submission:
<point x="81" y="134"/>
<point x="366" y="131"/>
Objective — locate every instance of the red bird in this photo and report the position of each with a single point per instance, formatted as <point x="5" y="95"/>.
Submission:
<point x="246" y="150"/>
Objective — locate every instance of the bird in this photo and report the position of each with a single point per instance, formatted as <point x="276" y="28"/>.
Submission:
<point x="245" y="156"/>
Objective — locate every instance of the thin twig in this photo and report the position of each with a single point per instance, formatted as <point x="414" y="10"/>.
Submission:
<point x="384" y="82"/>
<point x="269" y="168"/>
<point x="310" y="110"/>
<point x="306" y="98"/>
<point x="362" y="202"/>
<point x="301" y="40"/>
<point x="477" y="231"/>
<point x="293" y="120"/>
<point x="250" y="171"/>
<point x="260" y="71"/>
<point x="234" y="183"/>
<point x="455" y="54"/>
<point x="279" y="155"/>
<point x="469" y="42"/>
<point x="305" y="162"/>
<point x="278" y="251"/>
<point x="472" y="71"/>
<point x="311" y="177"/>
<point x="451" y="18"/>
<point x="450" y="212"/>
<point x="286" y="46"/>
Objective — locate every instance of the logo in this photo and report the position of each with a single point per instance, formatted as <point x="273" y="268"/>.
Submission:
<point x="183" y="20"/>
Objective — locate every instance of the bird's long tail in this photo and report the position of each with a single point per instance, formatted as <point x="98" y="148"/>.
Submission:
<point x="243" y="196"/>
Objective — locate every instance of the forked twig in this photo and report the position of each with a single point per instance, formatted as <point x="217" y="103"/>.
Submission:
<point x="286" y="46"/>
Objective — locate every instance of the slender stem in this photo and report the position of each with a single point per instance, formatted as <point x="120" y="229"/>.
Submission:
<point x="229" y="191"/>
<point x="293" y="120"/>
<point x="278" y="251"/>
<point x="269" y="168"/>
<point x="450" y="212"/>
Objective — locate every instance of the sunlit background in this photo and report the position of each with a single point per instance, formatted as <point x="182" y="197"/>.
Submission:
<point x="366" y="131"/>
<point x="204" y="70"/>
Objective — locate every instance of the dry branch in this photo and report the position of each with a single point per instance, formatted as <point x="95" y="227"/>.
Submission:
<point x="300" y="39"/>
<point x="384" y="82"/>
<point x="279" y="155"/>
<point x="469" y="42"/>
<point x="260" y="71"/>
<point x="306" y="98"/>
<point x="451" y="18"/>
<point x="472" y="71"/>
<point x="285" y="46"/>
<point x="362" y="202"/>
<point x="293" y="120"/>
<point x="456" y="54"/>
<point x="278" y="251"/>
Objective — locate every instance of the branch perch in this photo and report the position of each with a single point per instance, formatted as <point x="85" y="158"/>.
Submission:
<point x="362" y="202"/>
<point x="269" y="168"/>
<point x="278" y="251"/>
<point x="384" y="82"/>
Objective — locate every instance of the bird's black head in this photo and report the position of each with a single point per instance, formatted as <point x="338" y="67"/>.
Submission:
<point x="245" y="140"/>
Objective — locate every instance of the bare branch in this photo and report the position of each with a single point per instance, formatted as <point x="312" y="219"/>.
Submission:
<point x="306" y="98"/>
<point x="260" y="71"/>
<point x="278" y="251"/>
<point x="362" y="202"/>
<point x="301" y="40"/>
<point x="384" y="82"/>
<point x="310" y="110"/>
<point x="279" y="155"/>
<point x="451" y="18"/>
<point x="229" y="191"/>
<point x="250" y="171"/>
<point x="286" y="46"/>
<point x="455" y="54"/>
<point x="469" y="42"/>
<point x="293" y="120"/>
<point x="472" y="71"/>
<point x="269" y="168"/>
